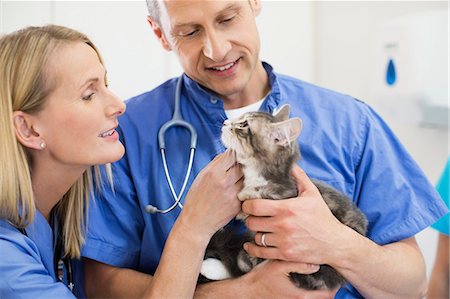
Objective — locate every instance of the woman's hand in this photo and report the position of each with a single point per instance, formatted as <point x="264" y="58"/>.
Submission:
<point x="212" y="199"/>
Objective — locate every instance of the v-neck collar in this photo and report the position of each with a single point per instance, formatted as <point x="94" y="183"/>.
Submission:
<point x="43" y="236"/>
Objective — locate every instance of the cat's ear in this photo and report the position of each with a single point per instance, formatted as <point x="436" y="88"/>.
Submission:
<point x="287" y="131"/>
<point x="282" y="113"/>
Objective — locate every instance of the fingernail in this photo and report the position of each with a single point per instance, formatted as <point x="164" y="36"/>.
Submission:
<point x="314" y="267"/>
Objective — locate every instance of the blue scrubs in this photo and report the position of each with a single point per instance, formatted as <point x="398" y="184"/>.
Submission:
<point x="443" y="187"/>
<point x="343" y="143"/>
<point x="26" y="263"/>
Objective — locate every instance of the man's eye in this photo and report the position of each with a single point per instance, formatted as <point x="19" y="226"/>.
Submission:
<point x="188" y="33"/>
<point x="227" y="20"/>
<point x="192" y="33"/>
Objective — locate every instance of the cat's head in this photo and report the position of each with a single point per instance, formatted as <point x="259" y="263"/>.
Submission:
<point x="257" y="134"/>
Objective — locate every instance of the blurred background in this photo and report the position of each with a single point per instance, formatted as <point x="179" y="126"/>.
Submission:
<point x="392" y="55"/>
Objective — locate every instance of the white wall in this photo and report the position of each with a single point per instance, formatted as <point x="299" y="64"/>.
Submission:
<point x="327" y="43"/>
<point x="290" y="24"/>
<point x="344" y="35"/>
<point x="135" y="60"/>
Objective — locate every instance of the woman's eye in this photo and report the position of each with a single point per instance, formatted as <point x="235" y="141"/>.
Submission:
<point x="88" y="97"/>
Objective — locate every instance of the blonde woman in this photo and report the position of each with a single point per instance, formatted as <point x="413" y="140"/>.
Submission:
<point x="58" y="118"/>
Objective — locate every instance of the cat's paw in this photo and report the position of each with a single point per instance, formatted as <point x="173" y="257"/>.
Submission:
<point x="242" y="196"/>
<point x="241" y="216"/>
<point x="214" y="269"/>
<point x="247" y="193"/>
<point x="246" y="262"/>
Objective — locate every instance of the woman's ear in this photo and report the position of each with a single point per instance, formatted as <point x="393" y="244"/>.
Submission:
<point x="25" y="134"/>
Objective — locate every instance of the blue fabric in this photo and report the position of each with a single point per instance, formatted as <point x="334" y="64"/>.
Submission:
<point x="343" y="143"/>
<point x="26" y="263"/>
<point x="443" y="225"/>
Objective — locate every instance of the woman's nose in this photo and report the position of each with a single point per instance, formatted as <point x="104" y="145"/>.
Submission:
<point x="116" y="106"/>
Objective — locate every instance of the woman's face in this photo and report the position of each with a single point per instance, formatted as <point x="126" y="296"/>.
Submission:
<point x="79" y="117"/>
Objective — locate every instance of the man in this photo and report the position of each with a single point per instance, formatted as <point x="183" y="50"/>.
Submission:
<point x="343" y="143"/>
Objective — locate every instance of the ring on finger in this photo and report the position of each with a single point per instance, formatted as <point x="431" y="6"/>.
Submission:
<point x="263" y="240"/>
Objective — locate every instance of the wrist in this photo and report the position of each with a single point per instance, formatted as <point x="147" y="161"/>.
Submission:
<point x="185" y="228"/>
<point x="229" y="288"/>
<point x="353" y="248"/>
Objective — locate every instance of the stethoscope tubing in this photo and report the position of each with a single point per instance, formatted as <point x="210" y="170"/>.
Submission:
<point x="177" y="120"/>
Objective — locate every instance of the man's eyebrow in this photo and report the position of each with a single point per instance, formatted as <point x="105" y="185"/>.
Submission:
<point x="231" y="6"/>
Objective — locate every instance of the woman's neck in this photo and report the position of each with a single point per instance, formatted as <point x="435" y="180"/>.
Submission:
<point x="50" y="183"/>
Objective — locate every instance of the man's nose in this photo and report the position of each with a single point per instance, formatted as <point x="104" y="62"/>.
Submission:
<point x="216" y="46"/>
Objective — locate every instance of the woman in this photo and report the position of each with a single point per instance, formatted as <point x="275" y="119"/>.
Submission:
<point x="59" y="119"/>
<point x="440" y="275"/>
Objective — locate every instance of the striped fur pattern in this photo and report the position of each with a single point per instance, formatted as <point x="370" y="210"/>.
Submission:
<point x="266" y="147"/>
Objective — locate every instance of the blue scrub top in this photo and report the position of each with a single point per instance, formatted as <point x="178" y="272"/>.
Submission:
<point x="343" y="143"/>
<point x="443" y="225"/>
<point x="26" y="263"/>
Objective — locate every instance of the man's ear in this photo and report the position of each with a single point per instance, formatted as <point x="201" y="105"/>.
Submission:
<point x="256" y="6"/>
<point x="25" y="133"/>
<point x="157" y="30"/>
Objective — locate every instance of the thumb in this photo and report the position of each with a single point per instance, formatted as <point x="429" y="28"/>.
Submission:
<point x="302" y="180"/>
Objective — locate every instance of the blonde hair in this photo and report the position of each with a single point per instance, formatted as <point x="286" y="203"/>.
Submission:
<point x="24" y="85"/>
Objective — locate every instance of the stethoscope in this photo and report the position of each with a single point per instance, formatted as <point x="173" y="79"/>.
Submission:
<point x="60" y="263"/>
<point x="177" y="120"/>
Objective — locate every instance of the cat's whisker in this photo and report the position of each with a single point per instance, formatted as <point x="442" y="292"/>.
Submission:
<point x="287" y="136"/>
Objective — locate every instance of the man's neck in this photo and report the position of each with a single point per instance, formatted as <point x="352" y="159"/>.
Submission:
<point x="257" y="88"/>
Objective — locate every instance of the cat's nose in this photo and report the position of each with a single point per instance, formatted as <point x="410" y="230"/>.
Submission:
<point x="227" y="122"/>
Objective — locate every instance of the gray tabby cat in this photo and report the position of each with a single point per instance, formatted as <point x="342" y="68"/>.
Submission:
<point x="266" y="147"/>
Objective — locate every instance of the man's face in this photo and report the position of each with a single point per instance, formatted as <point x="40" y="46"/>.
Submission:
<point x="216" y="41"/>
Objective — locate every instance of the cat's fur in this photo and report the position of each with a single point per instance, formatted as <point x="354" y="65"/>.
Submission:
<point x="266" y="147"/>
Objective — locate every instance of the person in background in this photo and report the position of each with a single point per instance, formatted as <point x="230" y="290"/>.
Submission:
<point x="58" y="118"/>
<point x="439" y="283"/>
<point x="343" y="143"/>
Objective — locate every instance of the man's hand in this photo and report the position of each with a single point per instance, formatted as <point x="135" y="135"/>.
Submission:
<point x="270" y="279"/>
<point x="300" y="229"/>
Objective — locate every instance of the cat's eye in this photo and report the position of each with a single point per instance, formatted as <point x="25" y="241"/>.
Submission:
<point x="243" y="124"/>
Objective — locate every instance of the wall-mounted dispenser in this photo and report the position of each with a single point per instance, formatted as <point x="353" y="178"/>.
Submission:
<point x="409" y="68"/>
